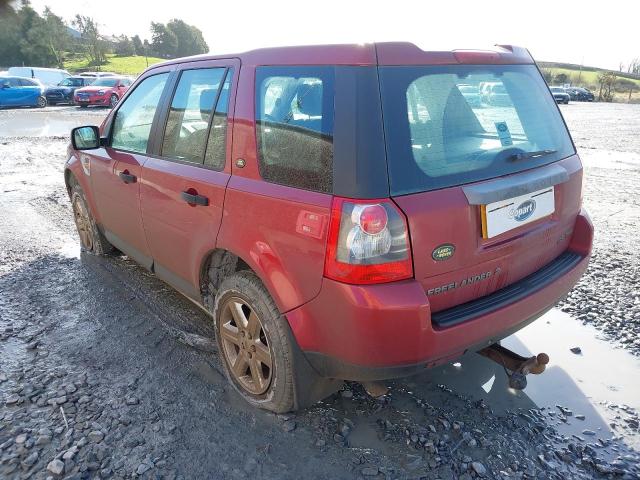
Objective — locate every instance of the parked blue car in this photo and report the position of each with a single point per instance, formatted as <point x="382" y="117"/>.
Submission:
<point x="21" y="92"/>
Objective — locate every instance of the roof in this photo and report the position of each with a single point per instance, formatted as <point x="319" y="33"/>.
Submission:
<point x="386" y="53"/>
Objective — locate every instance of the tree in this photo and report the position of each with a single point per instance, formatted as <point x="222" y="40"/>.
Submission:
<point x="176" y="39"/>
<point x="9" y="37"/>
<point x="190" y="39"/>
<point x="124" y="47"/>
<point x="95" y="48"/>
<point x="138" y="48"/>
<point x="163" y="40"/>
<point x="561" y="78"/>
<point x="56" y="36"/>
<point x="606" y="81"/>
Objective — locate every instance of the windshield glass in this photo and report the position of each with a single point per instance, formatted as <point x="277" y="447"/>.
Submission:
<point x="71" y="82"/>
<point x="437" y="137"/>
<point x="557" y="89"/>
<point x="105" y="82"/>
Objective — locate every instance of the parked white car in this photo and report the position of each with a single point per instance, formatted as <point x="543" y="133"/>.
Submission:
<point x="47" y="76"/>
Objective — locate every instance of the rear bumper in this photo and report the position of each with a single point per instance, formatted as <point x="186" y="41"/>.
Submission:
<point x="384" y="331"/>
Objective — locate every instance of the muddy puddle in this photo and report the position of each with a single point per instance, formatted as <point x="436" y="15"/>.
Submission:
<point x="583" y="395"/>
<point x="47" y="122"/>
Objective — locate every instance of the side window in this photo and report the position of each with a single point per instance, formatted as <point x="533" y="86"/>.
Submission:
<point x="294" y="116"/>
<point x="132" y="124"/>
<point x="185" y="136"/>
<point x="27" y="83"/>
<point x="15" y="82"/>
<point x="216" y="153"/>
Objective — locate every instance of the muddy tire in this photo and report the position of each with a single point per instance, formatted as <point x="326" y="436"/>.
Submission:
<point x="254" y="348"/>
<point x="91" y="238"/>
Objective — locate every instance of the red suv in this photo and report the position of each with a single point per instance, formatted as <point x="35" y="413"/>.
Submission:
<point x="344" y="212"/>
<point x="104" y="91"/>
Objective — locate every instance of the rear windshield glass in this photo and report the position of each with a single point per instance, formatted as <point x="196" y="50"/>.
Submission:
<point x="456" y="124"/>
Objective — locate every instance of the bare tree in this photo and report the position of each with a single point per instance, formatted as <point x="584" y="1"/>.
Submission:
<point x="95" y="48"/>
<point x="607" y="81"/>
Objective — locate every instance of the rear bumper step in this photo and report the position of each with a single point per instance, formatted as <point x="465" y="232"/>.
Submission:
<point x="508" y="295"/>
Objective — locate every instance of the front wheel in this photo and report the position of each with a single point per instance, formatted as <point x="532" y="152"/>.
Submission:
<point x="91" y="238"/>
<point x="253" y="343"/>
<point x="113" y="100"/>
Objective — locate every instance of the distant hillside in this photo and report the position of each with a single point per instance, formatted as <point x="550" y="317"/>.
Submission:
<point x="133" y="65"/>
<point x="627" y="85"/>
<point x="584" y="74"/>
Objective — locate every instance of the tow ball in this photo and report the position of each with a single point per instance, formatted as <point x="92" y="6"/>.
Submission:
<point x="516" y="366"/>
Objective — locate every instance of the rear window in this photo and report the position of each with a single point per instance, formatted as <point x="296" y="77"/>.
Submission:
<point x="447" y="126"/>
<point x="294" y="116"/>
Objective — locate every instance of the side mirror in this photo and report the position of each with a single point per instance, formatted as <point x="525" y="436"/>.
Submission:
<point x="85" y="138"/>
<point x="5" y="86"/>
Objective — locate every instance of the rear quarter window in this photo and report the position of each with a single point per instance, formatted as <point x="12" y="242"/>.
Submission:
<point x="294" y="125"/>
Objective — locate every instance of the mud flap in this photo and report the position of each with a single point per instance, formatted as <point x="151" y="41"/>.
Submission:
<point x="309" y="387"/>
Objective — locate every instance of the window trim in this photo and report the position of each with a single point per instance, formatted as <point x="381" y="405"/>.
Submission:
<point x="161" y="127"/>
<point x="109" y="142"/>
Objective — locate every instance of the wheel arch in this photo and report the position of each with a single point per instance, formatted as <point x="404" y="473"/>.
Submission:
<point x="74" y="174"/>
<point x="224" y="263"/>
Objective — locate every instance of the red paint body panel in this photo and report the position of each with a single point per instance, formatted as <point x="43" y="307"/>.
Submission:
<point x="403" y="53"/>
<point x="119" y="202"/>
<point x="445" y="216"/>
<point x="179" y="234"/>
<point x="261" y="225"/>
<point x="390" y="325"/>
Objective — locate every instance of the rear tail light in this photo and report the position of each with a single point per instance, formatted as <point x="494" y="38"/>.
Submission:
<point x="368" y="242"/>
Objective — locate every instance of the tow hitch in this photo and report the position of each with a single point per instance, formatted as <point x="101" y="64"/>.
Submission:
<point x="518" y="365"/>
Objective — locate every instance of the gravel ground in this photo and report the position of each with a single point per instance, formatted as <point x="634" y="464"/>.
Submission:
<point x="105" y="372"/>
<point x="608" y="296"/>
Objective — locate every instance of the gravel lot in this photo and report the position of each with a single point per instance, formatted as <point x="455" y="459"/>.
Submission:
<point x="105" y="372"/>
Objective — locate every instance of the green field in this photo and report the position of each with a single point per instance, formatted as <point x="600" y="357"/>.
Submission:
<point x="124" y="65"/>
<point x="588" y="77"/>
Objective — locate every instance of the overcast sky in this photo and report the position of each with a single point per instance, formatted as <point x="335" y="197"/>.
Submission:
<point x="569" y="31"/>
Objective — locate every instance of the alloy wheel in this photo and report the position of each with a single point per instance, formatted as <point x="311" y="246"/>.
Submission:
<point x="245" y="346"/>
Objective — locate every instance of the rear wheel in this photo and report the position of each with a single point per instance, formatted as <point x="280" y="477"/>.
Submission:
<point x="42" y="102"/>
<point x="83" y="106"/>
<point x="91" y="239"/>
<point x="253" y="344"/>
<point x="113" y="100"/>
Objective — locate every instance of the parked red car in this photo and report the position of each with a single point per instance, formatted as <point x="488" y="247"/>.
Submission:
<point x="343" y="212"/>
<point x="106" y="91"/>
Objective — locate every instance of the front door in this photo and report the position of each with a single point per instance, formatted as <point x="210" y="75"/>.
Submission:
<point x="183" y="184"/>
<point x="116" y="169"/>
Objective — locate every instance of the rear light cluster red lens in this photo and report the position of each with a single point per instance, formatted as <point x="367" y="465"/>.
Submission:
<point x="368" y="242"/>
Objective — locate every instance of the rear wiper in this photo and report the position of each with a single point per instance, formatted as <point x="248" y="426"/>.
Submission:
<point x="527" y="155"/>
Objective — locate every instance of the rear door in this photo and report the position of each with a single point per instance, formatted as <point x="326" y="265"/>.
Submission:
<point x="183" y="182"/>
<point x="116" y="168"/>
<point x="491" y="191"/>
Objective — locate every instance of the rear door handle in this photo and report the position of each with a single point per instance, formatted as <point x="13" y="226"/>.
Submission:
<point x="194" y="199"/>
<point x="126" y="177"/>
